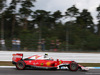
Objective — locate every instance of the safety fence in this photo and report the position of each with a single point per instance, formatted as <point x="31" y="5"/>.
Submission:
<point x="48" y="45"/>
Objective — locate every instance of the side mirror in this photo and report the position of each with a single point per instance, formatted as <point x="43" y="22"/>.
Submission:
<point x="57" y="59"/>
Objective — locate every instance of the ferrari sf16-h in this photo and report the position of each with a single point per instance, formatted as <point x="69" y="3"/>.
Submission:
<point x="39" y="62"/>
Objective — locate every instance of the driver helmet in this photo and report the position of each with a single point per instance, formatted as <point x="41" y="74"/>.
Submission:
<point x="46" y="55"/>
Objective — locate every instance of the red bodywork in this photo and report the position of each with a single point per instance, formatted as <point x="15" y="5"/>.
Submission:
<point x="43" y="63"/>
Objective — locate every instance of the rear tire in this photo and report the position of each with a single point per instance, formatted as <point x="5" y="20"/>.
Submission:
<point x="73" y="66"/>
<point x="20" y="65"/>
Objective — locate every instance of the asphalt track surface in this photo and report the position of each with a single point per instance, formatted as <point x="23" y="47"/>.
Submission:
<point x="13" y="71"/>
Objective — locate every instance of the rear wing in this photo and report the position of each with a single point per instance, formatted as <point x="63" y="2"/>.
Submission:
<point x="16" y="57"/>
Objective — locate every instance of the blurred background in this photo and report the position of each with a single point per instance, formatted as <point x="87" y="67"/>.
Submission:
<point x="25" y="28"/>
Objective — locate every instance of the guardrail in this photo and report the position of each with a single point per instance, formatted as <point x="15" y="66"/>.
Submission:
<point x="78" y="57"/>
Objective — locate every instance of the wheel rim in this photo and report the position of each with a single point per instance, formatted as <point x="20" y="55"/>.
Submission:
<point x="73" y="66"/>
<point x="20" y="65"/>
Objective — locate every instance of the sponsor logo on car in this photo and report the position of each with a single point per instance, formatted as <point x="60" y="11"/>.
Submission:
<point x="41" y="64"/>
<point x="17" y="56"/>
<point x="48" y="63"/>
<point x="59" y="62"/>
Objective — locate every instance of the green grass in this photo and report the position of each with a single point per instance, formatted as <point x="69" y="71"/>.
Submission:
<point x="90" y="64"/>
<point x="8" y="63"/>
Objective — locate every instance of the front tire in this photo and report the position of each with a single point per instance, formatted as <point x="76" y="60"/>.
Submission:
<point x="20" y="65"/>
<point x="73" y="66"/>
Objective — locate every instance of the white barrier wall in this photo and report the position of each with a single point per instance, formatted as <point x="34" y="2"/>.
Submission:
<point x="78" y="57"/>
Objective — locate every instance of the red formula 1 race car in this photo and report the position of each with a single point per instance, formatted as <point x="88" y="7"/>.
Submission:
<point x="42" y="62"/>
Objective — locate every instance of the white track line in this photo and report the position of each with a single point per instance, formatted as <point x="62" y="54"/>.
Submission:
<point x="7" y="67"/>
